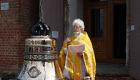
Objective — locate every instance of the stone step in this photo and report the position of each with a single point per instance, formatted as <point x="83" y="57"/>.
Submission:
<point x="114" y="78"/>
<point x="106" y="71"/>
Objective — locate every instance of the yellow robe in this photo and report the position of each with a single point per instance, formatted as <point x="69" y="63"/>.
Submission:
<point x="74" y="61"/>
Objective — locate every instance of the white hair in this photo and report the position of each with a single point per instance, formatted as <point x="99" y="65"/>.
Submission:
<point x="79" y="22"/>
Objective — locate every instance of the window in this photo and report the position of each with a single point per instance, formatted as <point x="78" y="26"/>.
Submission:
<point x="97" y="22"/>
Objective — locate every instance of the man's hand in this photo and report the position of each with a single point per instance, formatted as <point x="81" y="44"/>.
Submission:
<point x="68" y="40"/>
<point x="80" y="55"/>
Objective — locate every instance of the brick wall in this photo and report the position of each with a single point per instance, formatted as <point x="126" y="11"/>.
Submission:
<point x="15" y="26"/>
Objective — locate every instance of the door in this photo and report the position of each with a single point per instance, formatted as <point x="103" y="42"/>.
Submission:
<point x="102" y="19"/>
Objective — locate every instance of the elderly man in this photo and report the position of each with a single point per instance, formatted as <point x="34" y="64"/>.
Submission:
<point x="76" y="59"/>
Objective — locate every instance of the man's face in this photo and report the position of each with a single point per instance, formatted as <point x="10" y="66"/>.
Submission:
<point x="77" y="28"/>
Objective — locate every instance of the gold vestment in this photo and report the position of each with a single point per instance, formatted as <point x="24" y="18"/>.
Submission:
<point x="74" y="61"/>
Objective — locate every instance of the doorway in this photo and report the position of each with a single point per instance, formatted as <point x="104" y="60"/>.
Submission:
<point x="119" y="13"/>
<point x="105" y="22"/>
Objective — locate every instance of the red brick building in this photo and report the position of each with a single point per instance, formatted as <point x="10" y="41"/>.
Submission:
<point x="113" y="26"/>
<point x="16" y="23"/>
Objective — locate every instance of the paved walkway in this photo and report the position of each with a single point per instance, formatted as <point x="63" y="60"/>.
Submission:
<point x="114" y="69"/>
<point x="105" y="71"/>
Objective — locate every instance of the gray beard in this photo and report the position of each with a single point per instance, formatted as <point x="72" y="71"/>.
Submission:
<point x="76" y="34"/>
